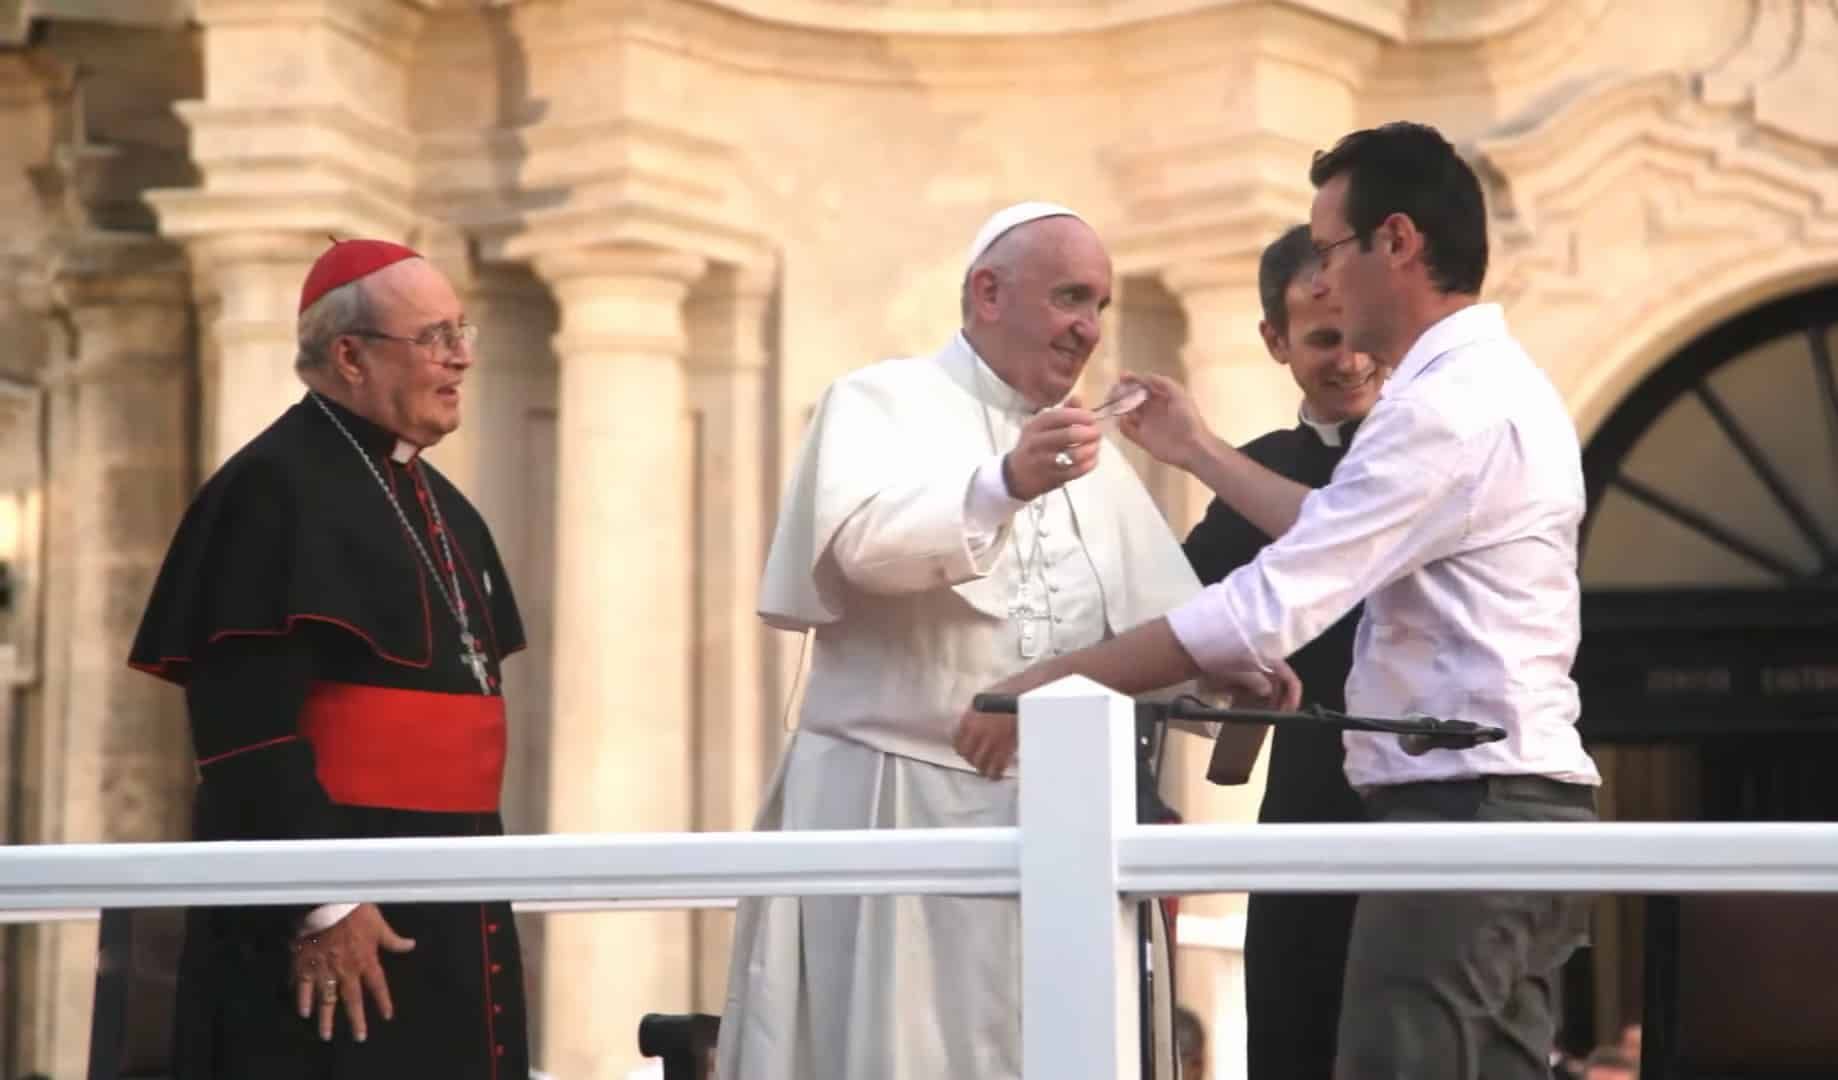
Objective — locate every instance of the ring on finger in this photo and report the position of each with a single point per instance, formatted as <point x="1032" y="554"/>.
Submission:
<point x="1063" y="460"/>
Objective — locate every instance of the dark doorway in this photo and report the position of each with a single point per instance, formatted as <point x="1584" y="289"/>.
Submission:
<point x="1709" y="660"/>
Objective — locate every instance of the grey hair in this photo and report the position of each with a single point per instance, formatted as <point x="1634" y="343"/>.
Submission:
<point x="339" y="311"/>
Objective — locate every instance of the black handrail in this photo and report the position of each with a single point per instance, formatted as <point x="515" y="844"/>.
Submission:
<point x="1419" y="732"/>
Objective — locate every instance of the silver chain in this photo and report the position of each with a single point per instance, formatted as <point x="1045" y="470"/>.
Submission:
<point x="1028" y="567"/>
<point x="456" y="603"/>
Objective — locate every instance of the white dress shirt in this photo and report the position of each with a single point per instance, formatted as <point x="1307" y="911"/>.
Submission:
<point x="1455" y="517"/>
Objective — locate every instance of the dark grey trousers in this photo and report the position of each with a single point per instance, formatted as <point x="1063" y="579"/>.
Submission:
<point x="1461" y="986"/>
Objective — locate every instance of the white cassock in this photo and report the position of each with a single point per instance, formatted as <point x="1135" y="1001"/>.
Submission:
<point x="914" y="611"/>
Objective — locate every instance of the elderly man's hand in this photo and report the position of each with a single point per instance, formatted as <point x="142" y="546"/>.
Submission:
<point x="1056" y="446"/>
<point x="340" y="963"/>
<point x="1167" y="425"/>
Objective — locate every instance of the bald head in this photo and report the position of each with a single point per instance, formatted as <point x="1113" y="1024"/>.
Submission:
<point x="1032" y="303"/>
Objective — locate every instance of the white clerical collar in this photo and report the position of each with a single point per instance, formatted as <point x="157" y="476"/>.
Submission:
<point x="1329" y="434"/>
<point x="404" y="452"/>
<point x="992" y="388"/>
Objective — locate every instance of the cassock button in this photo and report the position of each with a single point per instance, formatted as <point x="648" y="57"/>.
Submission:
<point x="496" y="968"/>
<point x="497" y="1010"/>
<point x="500" y="1049"/>
<point x="491" y="928"/>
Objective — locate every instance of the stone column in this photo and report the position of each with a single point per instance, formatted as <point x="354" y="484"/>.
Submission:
<point x="620" y="731"/>
<point x="735" y="722"/>
<point x="302" y="134"/>
<point x="110" y="759"/>
<point x="1242" y="393"/>
<point x="503" y="459"/>
<point x="248" y="294"/>
<point x="1151" y="329"/>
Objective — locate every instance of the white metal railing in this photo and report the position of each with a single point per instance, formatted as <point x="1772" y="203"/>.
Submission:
<point x="1075" y="852"/>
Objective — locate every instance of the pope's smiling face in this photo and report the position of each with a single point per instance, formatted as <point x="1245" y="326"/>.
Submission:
<point x="1039" y="306"/>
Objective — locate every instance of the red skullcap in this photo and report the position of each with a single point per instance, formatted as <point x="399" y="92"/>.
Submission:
<point x="348" y="260"/>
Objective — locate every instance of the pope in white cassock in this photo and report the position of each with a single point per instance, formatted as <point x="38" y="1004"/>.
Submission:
<point x="952" y="519"/>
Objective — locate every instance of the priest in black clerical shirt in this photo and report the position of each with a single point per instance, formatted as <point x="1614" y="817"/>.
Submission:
<point x="1296" y="945"/>
<point x="336" y="612"/>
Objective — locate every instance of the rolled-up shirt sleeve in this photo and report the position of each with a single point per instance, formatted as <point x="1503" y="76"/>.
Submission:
<point x="1399" y="500"/>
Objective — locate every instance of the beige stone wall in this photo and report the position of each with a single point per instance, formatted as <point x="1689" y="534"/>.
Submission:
<point x="678" y="221"/>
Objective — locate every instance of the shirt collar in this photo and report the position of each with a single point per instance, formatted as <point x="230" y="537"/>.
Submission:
<point x="373" y="437"/>
<point x="1328" y="433"/>
<point x="1476" y="322"/>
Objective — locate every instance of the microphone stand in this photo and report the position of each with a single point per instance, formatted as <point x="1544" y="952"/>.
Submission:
<point x="1418" y="734"/>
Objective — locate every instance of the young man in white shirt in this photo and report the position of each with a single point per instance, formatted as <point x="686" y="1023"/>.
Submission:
<point x="1454" y="517"/>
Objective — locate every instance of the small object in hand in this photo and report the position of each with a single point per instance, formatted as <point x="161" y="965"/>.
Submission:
<point x="1124" y="397"/>
<point x="1063" y="460"/>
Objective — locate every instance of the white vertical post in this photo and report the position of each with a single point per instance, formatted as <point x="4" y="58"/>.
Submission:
<point x="1078" y="970"/>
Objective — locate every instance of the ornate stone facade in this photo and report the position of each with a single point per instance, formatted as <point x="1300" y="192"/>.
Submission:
<point x="676" y="222"/>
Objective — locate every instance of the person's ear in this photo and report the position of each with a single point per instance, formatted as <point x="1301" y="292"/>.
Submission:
<point x="1401" y="238"/>
<point x="985" y="290"/>
<point x="1277" y="344"/>
<point x="346" y="361"/>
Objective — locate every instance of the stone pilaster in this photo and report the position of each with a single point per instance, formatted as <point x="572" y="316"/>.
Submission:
<point x="736" y="720"/>
<point x="621" y="729"/>
<point x="110" y="756"/>
<point x="503" y="459"/>
<point x="1203" y="194"/>
<point x="247" y="289"/>
<point x="300" y="137"/>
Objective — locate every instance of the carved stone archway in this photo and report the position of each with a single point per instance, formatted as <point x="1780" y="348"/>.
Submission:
<point x="1634" y="214"/>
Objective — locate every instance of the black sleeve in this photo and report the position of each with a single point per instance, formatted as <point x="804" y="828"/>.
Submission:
<point x="1222" y="542"/>
<point x="1225" y="540"/>
<point x="258" y="779"/>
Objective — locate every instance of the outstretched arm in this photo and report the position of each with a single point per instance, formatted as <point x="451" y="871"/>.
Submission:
<point x="1170" y="428"/>
<point x="1148" y="657"/>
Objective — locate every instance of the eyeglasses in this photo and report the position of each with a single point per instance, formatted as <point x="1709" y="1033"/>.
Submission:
<point x="1321" y="250"/>
<point x="446" y="336"/>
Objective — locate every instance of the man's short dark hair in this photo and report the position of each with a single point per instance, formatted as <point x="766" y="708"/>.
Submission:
<point x="1283" y="261"/>
<point x="1410" y="169"/>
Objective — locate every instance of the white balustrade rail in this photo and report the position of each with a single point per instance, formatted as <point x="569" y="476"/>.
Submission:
<point x="1075" y="852"/>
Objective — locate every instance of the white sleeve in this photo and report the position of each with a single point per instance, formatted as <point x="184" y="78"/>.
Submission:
<point x="325" y="917"/>
<point x="988" y="506"/>
<point x="1396" y="503"/>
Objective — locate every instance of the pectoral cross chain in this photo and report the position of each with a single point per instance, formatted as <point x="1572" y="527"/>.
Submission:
<point x="1023" y="611"/>
<point x="474" y="659"/>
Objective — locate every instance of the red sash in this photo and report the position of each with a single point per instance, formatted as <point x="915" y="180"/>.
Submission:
<point x="406" y="749"/>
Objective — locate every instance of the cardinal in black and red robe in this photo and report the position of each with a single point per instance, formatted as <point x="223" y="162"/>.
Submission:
<point x="337" y="614"/>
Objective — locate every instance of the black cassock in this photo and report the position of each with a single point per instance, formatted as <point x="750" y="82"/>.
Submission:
<point x="1295" y="946"/>
<point x="328" y="698"/>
